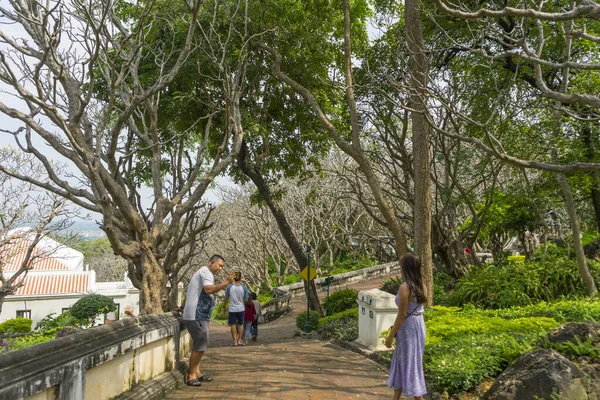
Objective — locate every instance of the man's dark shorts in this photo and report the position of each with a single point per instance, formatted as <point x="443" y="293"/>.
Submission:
<point x="199" y="332"/>
<point x="235" y="318"/>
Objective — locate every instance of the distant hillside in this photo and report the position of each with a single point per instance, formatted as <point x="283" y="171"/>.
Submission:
<point x="87" y="229"/>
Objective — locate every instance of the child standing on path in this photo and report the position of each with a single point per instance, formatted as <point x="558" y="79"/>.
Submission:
<point x="258" y="308"/>
<point x="249" y="314"/>
<point x="406" y="370"/>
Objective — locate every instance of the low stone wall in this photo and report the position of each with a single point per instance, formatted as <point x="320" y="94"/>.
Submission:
<point x="100" y="363"/>
<point x="345" y="278"/>
<point x="277" y="307"/>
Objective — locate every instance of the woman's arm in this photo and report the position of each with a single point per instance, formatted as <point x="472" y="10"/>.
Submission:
<point x="402" y="309"/>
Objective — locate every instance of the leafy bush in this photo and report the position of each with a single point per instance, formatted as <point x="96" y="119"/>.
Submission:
<point x="343" y="325"/>
<point x="16" y="325"/>
<point x="27" y="341"/>
<point x="341" y="300"/>
<point x="90" y="306"/>
<point x="292" y="278"/>
<point x="440" y="282"/>
<point x="467" y="346"/>
<point x="349" y="263"/>
<point x="51" y="324"/>
<point x="301" y="320"/>
<point x="519" y="283"/>
<point x="392" y="285"/>
<point x="219" y="312"/>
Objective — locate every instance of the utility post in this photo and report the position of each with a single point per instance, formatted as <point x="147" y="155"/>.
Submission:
<point x="307" y="326"/>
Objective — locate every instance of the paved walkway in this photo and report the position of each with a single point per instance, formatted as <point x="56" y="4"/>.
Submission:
<point x="281" y="365"/>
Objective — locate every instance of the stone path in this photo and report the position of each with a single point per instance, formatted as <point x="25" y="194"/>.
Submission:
<point x="281" y="365"/>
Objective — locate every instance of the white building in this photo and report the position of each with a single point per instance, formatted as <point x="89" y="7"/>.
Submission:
<point x="56" y="281"/>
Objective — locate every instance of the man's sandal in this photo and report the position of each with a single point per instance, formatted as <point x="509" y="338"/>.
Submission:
<point x="194" y="382"/>
<point x="205" y="378"/>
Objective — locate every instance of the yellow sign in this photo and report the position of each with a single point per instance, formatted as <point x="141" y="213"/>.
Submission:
<point x="305" y="273"/>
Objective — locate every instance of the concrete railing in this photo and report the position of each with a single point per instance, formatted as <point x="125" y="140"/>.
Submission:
<point x="367" y="273"/>
<point x="276" y="307"/>
<point x="106" y="362"/>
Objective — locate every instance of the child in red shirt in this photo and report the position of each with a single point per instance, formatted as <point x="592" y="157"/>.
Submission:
<point x="249" y="317"/>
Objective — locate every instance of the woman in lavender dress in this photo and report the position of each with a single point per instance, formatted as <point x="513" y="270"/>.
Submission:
<point x="406" y="371"/>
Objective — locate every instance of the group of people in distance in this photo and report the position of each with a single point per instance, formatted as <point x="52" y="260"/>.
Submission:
<point x="243" y="312"/>
<point x="406" y="371"/>
<point x="197" y="307"/>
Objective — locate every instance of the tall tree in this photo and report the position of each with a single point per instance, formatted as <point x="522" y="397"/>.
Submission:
<point x="92" y="75"/>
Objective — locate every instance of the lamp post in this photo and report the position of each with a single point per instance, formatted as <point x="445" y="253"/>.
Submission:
<point x="307" y="327"/>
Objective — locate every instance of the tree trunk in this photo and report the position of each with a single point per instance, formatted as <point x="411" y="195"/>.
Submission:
<point x="595" y="193"/>
<point x="590" y="155"/>
<point x="153" y="296"/>
<point x="284" y="227"/>
<point x="587" y="278"/>
<point x="420" y="129"/>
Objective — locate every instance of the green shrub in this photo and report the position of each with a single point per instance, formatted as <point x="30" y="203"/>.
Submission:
<point x="50" y="324"/>
<point x="440" y="282"/>
<point x="392" y="285"/>
<point x="343" y="325"/>
<point x="466" y="346"/>
<point x="518" y="283"/>
<point x="16" y="325"/>
<point x="29" y="340"/>
<point x="341" y="300"/>
<point x="301" y="320"/>
<point x="292" y="278"/>
<point x="90" y="306"/>
<point x="350" y="263"/>
<point x="219" y="312"/>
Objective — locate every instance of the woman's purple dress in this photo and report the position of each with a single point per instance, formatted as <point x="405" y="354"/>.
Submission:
<point x="406" y="371"/>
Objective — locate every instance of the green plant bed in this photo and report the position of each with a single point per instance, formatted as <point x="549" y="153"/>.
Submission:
<point x="342" y="326"/>
<point x="341" y="300"/>
<point x="16" y="325"/>
<point x="518" y="283"/>
<point x="467" y="346"/>
<point x="301" y="320"/>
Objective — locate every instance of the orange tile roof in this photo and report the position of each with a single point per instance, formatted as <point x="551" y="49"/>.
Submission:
<point x="55" y="284"/>
<point x="13" y="254"/>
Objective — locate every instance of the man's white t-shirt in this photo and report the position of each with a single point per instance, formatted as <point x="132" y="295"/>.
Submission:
<point x="199" y="304"/>
<point x="236" y="295"/>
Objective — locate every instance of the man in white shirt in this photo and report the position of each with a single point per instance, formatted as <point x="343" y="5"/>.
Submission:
<point x="237" y="293"/>
<point x="197" y="307"/>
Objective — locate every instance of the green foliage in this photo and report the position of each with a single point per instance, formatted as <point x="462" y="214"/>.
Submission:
<point x="264" y="297"/>
<point x="50" y="324"/>
<point x="341" y="300"/>
<point x="518" y="283"/>
<point x="219" y="312"/>
<point x="292" y="278"/>
<point x="16" y="325"/>
<point x="392" y="285"/>
<point x="440" y="282"/>
<point x="90" y="306"/>
<point x="28" y="341"/>
<point x="585" y="310"/>
<point x="348" y="264"/>
<point x="577" y="349"/>
<point x="314" y="320"/>
<point x="467" y="346"/>
<point x="342" y="326"/>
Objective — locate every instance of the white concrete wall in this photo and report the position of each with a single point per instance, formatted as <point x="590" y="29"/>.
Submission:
<point x="41" y="306"/>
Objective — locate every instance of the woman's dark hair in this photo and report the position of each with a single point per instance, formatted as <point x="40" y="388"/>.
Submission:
<point x="410" y="265"/>
<point x="253" y="295"/>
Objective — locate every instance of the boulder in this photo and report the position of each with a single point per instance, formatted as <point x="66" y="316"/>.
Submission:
<point x="568" y="332"/>
<point x="541" y="374"/>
